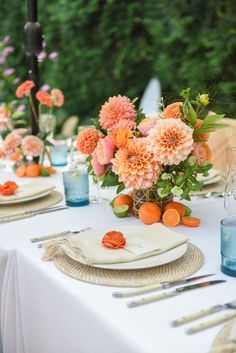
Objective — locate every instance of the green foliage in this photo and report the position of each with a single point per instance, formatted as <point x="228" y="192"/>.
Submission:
<point x="109" y="47"/>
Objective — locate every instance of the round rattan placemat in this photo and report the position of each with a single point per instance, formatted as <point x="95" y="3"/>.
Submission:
<point x="190" y="262"/>
<point x="223" y="340"/>
<point x="34" y="205"/>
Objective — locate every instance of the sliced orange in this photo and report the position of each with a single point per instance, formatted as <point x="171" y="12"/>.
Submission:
<point x="191" y="221"/>
<point x="171" y="217"/>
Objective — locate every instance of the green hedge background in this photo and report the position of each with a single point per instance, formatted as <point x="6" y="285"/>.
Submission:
<point x="108" y="47"/>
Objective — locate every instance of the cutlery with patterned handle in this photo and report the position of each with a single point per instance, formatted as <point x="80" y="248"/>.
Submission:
<point x="210" y="323"/>
<point x="173" y="293"/>
<point x="154" y="287"/>
<point x="203" y="312"/>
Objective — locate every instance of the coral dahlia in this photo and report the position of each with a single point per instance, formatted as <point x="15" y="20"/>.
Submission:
<point x="173" y="110"/>
<point x="116" y="108"/>
<point x="135" y="165"/>
<point x="87" y="140"/>
<point x="171" y="141"/>
<point x="32" y="146"/>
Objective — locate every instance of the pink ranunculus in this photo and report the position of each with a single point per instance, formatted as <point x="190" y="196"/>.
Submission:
<point x="147" y="125"/>
<point x="97" y="167"/>
<point x="105" y="150"/>
<point x="57" y="97"/>
<point x="11" y="142"/>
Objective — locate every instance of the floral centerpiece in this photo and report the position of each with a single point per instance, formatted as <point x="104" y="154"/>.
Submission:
<point x="19" y="144"/>
<point x="157" y="156"/>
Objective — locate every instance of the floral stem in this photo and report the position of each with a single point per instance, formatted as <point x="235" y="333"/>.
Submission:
<point x="33" y="107"/>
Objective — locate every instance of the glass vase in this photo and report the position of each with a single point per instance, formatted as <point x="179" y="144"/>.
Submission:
<point x="47" y="123"/>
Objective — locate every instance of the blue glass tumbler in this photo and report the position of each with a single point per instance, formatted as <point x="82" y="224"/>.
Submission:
<point x="59" y="153"/>
<point x="228" y="246"/>
<point x="76" y="186"/>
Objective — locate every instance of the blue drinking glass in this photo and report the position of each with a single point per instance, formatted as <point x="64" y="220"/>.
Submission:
<point x="76" y="186"/>
<point x="59" y="153"/>
<point x="228" y="246"/>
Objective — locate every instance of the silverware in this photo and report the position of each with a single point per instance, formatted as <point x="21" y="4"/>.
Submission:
<point x="210" y="323"/>
<point x="173" y="293"/>
<point x="213" y="194"/>
<point x="203" y="312"/>
<point x="58" y="235"/>
<point x="24" y="214"/>
<point x="151" y="288"/>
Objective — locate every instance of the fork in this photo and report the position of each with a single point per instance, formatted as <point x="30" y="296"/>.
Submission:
<point x="58" y="235"/>
<point x="214" y="194"/>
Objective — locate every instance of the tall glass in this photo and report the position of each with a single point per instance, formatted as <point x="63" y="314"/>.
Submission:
<point x="59" y="153"/>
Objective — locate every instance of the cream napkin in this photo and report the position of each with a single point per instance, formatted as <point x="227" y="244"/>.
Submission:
<point x="27" y="190"/>
<point x="87" y="248"/>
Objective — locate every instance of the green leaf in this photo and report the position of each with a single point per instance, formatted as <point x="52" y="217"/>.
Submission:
<point x="110" y="179"/>
<point x="120" y="188"/>
<point x="192" y="115"/>
<point x="212" y="119"/>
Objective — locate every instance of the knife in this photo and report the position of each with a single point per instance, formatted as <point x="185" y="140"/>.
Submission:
<point x="172" y="293"/>
<point x="211" y="323"/>
<point x="153" y="287"/>
<point x="204" y="312"/>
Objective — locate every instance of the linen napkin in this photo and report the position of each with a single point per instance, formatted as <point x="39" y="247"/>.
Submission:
<point x="27" y="190"/>
<point x="87" y="247"/>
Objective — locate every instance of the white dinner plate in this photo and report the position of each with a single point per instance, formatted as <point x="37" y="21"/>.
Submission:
<point x="147" y="262"/>
<point x="28" y="192"/>
<point x="152" y="261"/>
<point x="213" y="173"/>
<point x="216" y="179"/>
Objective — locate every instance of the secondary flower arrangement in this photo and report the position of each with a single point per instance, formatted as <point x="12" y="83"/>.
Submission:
<point x="164" y="152"/>
<point x="19" y="145"/>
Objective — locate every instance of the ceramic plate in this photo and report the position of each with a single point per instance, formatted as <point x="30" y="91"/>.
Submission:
<point x="21" y="195"/>
<point x="152" y="261"/>
<point x="212" y="174"/>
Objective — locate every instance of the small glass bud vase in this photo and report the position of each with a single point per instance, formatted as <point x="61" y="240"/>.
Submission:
<point x="47" y="123"/>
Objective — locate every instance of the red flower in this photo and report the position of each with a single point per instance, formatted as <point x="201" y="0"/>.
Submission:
<point x="44" y="98"/>
<point x="24" y="88"/>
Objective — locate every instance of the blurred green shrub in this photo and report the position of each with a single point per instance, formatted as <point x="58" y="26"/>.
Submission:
<point x="108" y="47"/>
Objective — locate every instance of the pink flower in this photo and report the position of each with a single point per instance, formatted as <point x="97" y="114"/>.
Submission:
<point x="146" y="125"/>
<point x="105" y="150"/>
<point x="42" y="56"/>
<point x="32" y="146"/>
<point x="116" y="108"/>
<point x="9" y="71"/>
<point x="97" y="167"/>
<point x="6" y="39"/>
<point x="11" y="142"/>
<point x="57" y="97"/>
<point x="5" y="121"/>
<point x="171" y="141"/>
<point x="45" y="87"/>
<point x="53" y="55"/>
<point x="125" y="124"/>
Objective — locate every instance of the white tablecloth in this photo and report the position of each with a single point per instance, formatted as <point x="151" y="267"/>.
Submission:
<point x="43" y="310"/>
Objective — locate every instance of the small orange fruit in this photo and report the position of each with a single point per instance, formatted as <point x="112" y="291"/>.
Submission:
<point x="149" y="213"/>
<point x="191" y="221"/>
<point x="32" y="170"/>
<point x="177" y="206"/>
<point x="21" y="170"/>
<point x="123" y="199"/>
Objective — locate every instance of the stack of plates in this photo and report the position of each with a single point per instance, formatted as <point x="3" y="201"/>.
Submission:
<point x="27" y="192"/>
<point x="213" y="177"/>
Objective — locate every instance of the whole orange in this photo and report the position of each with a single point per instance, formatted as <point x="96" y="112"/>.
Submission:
<point x="123" y="199"/>
<point x="149" y="213"/>
<point x="32" y="170"/>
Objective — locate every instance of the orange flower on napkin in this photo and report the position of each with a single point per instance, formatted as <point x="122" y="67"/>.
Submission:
<point x="8" y="188"/>
<point x="114" y="240"/>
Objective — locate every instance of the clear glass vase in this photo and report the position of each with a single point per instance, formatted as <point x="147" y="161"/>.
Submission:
<point x="230" y="187"/>
<point x="47" y="123"/>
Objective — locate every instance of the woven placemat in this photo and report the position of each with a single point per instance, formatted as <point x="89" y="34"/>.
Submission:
<point x="190" y="262"/>
<point x="34" y="205"/>
<point x="223" y="342"/>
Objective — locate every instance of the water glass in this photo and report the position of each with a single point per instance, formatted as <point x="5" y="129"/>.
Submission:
<point x="228" y="246"/>
<point x="76" y="186"/>
<point x="59" y="153"/>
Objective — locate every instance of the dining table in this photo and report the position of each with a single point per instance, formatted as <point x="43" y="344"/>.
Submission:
<point x="43" y="310"/>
